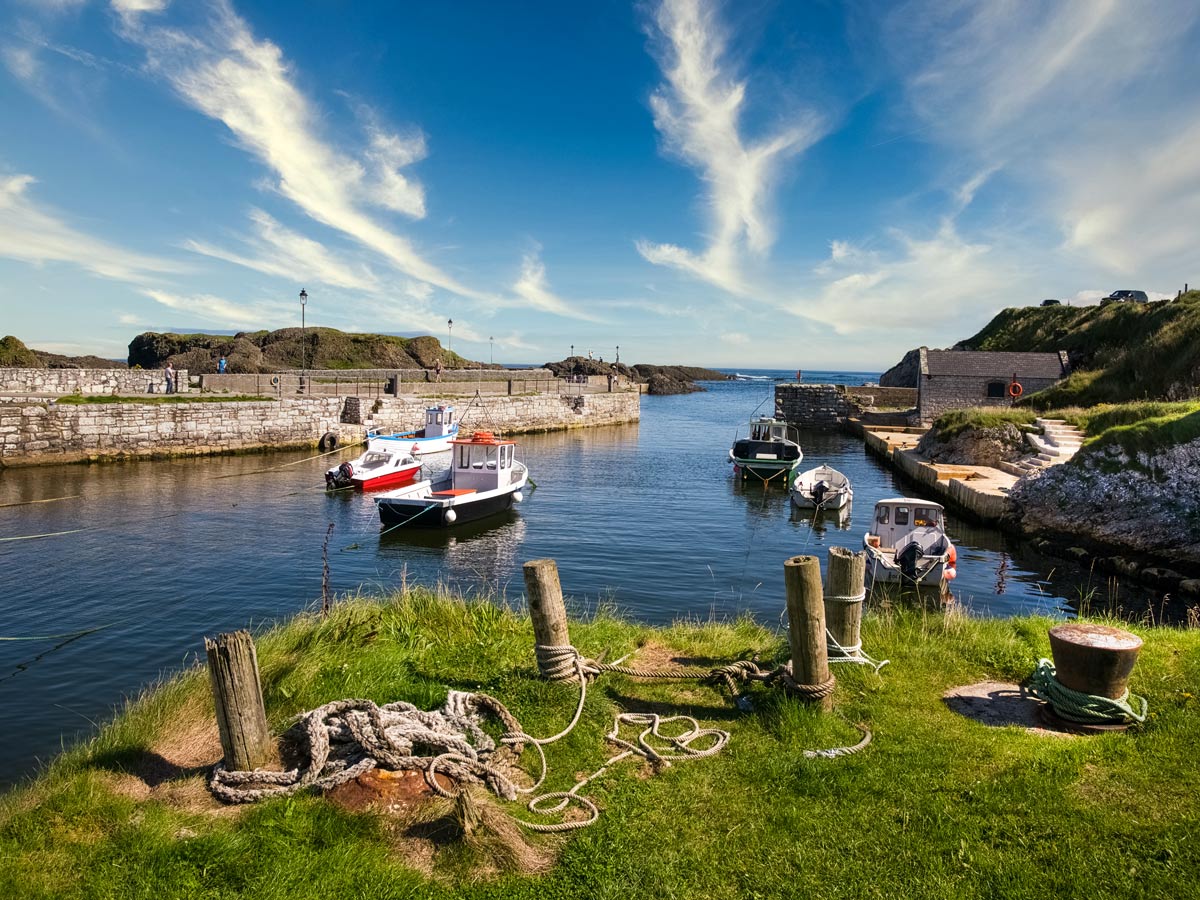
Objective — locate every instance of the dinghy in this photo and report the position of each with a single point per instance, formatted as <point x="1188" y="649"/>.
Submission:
<point x="821" y="488"/>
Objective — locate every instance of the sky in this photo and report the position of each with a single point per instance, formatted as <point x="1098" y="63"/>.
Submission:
<point x="758" y="184"/>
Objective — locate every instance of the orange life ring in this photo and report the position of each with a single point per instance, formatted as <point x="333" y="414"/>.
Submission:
<point x="952" y="555"/>
<point x="1015" y="390"/>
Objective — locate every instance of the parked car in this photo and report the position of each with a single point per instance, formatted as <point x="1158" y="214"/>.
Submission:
<point x="1051" y="302"/>
<point x="1125" y="296"/>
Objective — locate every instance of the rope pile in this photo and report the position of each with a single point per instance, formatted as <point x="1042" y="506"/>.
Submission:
<point x="1087" y="709"/>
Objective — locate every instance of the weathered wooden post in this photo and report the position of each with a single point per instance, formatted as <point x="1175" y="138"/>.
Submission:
<point x="549" y="615"/>
<point x="806" y="628"/>
<point x="237" y="695"/>
<point x="844" y="602"/>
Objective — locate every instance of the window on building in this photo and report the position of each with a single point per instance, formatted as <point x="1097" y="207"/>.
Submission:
<point x="997" y="390"/>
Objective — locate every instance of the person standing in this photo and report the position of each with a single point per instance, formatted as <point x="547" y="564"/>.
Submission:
<point x="221" y="364"/>
<point x="169" y="378"/>
<point x="438" y="369"/>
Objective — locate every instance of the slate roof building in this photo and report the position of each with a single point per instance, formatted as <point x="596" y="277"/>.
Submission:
<point x="957" y="379"/>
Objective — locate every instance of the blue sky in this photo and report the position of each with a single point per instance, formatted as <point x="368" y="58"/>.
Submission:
<point x="755" y="184"/>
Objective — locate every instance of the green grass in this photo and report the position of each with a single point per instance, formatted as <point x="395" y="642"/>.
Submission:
<point x="1121" y="352"/>
<point x="956" y="421"/>
<point x="1139" y="427"/>
<point x="102" y="399"/>
<point x="938" y="806"/>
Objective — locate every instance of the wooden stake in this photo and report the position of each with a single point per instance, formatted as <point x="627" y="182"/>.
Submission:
<point x="843" y="616"/>
<point x="806" y="622"/>
<point x="546" y="606"/>
<point x="237" y="695"/>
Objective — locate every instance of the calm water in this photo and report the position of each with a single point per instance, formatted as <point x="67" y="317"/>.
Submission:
<point x="647" y="517"/>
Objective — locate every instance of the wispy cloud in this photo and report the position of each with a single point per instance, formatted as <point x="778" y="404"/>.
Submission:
<point x="534" y="290"/>
<point x="277" y="250"/>
<point x="207" y="307"/>
<point x="222" y="70"/>
<point x="698" y="113"/>
<point x="36" y="234"/>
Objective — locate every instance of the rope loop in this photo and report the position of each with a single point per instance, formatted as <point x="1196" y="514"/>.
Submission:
<point x="1086" y="709"/>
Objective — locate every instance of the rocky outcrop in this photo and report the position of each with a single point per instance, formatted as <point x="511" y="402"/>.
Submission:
<point x="1148" y="503"/>
<point x="974" y="446"/>
<point x="904" y="373"/>
<point x="658" y="379"/>
<point x="293" y="348"/>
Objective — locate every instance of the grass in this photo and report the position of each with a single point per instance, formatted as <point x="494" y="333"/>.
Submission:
<point x="938" y="806"/>
<point x="956" y="421"/>
<point x="102" y="399"/>
<point x="1121" y="352"/>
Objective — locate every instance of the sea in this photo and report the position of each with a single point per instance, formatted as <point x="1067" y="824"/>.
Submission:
<point x="114" y="583"/>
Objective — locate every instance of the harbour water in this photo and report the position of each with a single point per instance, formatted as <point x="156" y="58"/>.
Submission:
<point x="144" y="559"/>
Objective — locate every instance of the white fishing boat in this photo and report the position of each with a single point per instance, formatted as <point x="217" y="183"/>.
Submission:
<point x="484" y="478"/>
<point x="907" y="545"/>
<point x="766" y="452"/>
<point x="439" y="430"/>
<point x="821" y="488"/>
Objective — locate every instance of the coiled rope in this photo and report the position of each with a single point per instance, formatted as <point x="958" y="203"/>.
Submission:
<point x="1077" y="706"/>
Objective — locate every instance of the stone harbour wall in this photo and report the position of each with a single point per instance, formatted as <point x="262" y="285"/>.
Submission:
<point x="43" y="433"/>
<point x="813" y="405"/>
<point x="87" y="381"/>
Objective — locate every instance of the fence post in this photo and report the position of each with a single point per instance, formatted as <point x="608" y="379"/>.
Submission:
<point x="237" y="696"/>
<point x="806" y="623"/>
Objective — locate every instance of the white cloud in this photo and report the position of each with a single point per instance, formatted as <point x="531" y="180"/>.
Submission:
<point x="128" y="9"/>
<point x="736" y="338"/>
<point x="224" y="312"/>
<point x="698" y="113"/>
<point x="224" y="72"/>
<point x="533" y="288"/>
<point x="35" y="234"/>
<point x="280" y="251"/>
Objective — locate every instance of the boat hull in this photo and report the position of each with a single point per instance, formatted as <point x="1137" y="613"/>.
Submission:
<point x="763" y="469"/>
<point x="399" y="514"/>
<point x="390" y="480"/>
<point x="836" y="500"/>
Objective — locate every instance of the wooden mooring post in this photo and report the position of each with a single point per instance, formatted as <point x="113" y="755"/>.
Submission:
<point x="549" y="615"/>
<point x="806" y="624"/>
<point x="844" y="602"/>
<point x="237" y="695"/>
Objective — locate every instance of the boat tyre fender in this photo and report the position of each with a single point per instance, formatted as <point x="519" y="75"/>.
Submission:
<point x="1015" y="390"/>
<point x="275" y="381"/>
<point x="329" y="441"/>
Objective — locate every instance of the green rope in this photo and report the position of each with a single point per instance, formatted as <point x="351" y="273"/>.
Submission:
<point x="1076" y="706"/>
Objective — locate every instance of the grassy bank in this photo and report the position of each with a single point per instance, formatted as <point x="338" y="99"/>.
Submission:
<point x="937" y="806"/>
<point x="1120" y="352"/>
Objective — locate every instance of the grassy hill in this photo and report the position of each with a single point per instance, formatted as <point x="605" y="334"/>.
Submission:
<point x="291" y="348"/>
<point x="1121" y="352"/>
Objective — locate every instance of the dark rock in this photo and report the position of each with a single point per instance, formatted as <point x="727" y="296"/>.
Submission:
<point x="1190" y="586"/>
<point x="974" y="446"/>
<point x="904" y="373"/>
<point x="1164" y="579"/>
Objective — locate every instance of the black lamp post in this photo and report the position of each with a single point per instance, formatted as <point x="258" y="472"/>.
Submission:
<point x="618" y="352"/>
<point x="491" y="351"/>
<point x="450" y="336"/>
<point x="303" y="333"/>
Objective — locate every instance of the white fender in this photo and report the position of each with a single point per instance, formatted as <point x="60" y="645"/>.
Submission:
<point x="451" y="517"/>
<point x="517" y="497"/>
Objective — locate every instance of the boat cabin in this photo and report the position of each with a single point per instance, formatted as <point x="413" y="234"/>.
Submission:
<point x="768" y="430"/>
<point x="482" y="462"/>
<point x="439" y="420"/>
<point x="905" y="519"/>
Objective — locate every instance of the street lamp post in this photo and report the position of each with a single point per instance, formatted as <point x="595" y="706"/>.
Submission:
<point x="572" y="349"/>
<point x="449" y="336"/>
<point x="491" y="351"/>
<point x="618" y="352"/>
<point x="303" y="334"/>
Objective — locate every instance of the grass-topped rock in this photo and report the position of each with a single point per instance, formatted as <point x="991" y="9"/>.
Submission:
<point x="939" y="805"/>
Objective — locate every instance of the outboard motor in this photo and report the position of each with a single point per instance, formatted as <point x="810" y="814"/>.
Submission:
<point x="818" y="492"/>
<point x="907" y="560"/>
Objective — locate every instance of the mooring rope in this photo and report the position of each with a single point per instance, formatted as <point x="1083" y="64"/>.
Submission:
<point x="1077" y="706"/>
<point x="849" y="653"/>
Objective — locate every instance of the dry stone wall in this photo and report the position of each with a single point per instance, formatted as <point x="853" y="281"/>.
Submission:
<point x="87" y="381"/>
<point x="33" y="433"/>
<point x="813" y="405"/>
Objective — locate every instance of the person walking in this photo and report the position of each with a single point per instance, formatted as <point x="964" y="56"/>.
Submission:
<point x="169" y="378"/>
<point x="438" y="369"/>
<point x="221" y="365"/>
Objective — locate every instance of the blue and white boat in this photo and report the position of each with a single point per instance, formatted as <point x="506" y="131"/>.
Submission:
<point x="440" y="429"/>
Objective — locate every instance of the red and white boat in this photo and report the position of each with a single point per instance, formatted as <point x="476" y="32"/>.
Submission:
<point x="375" y="469"/>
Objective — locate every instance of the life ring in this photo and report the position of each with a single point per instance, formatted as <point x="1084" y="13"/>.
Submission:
<point x="275" y="381"/>
<point x="952" y="555"/>
<point x="329" y="441"/>
<point x="1015" y="390"/>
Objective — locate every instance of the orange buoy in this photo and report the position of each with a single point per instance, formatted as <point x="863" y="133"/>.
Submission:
<point x="1015" y="390"/>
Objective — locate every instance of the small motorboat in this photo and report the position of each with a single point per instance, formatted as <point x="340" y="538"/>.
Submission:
<point x="766" y="452"/>
<point x="907" y="545"/>
<point x="375" y="469"/>
<point x="821" y="488"/>
<point x="435" y="437"/>
<point x="484" y="478"/>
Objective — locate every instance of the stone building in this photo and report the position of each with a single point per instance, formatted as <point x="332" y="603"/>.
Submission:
<point x="957" y="379"/>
